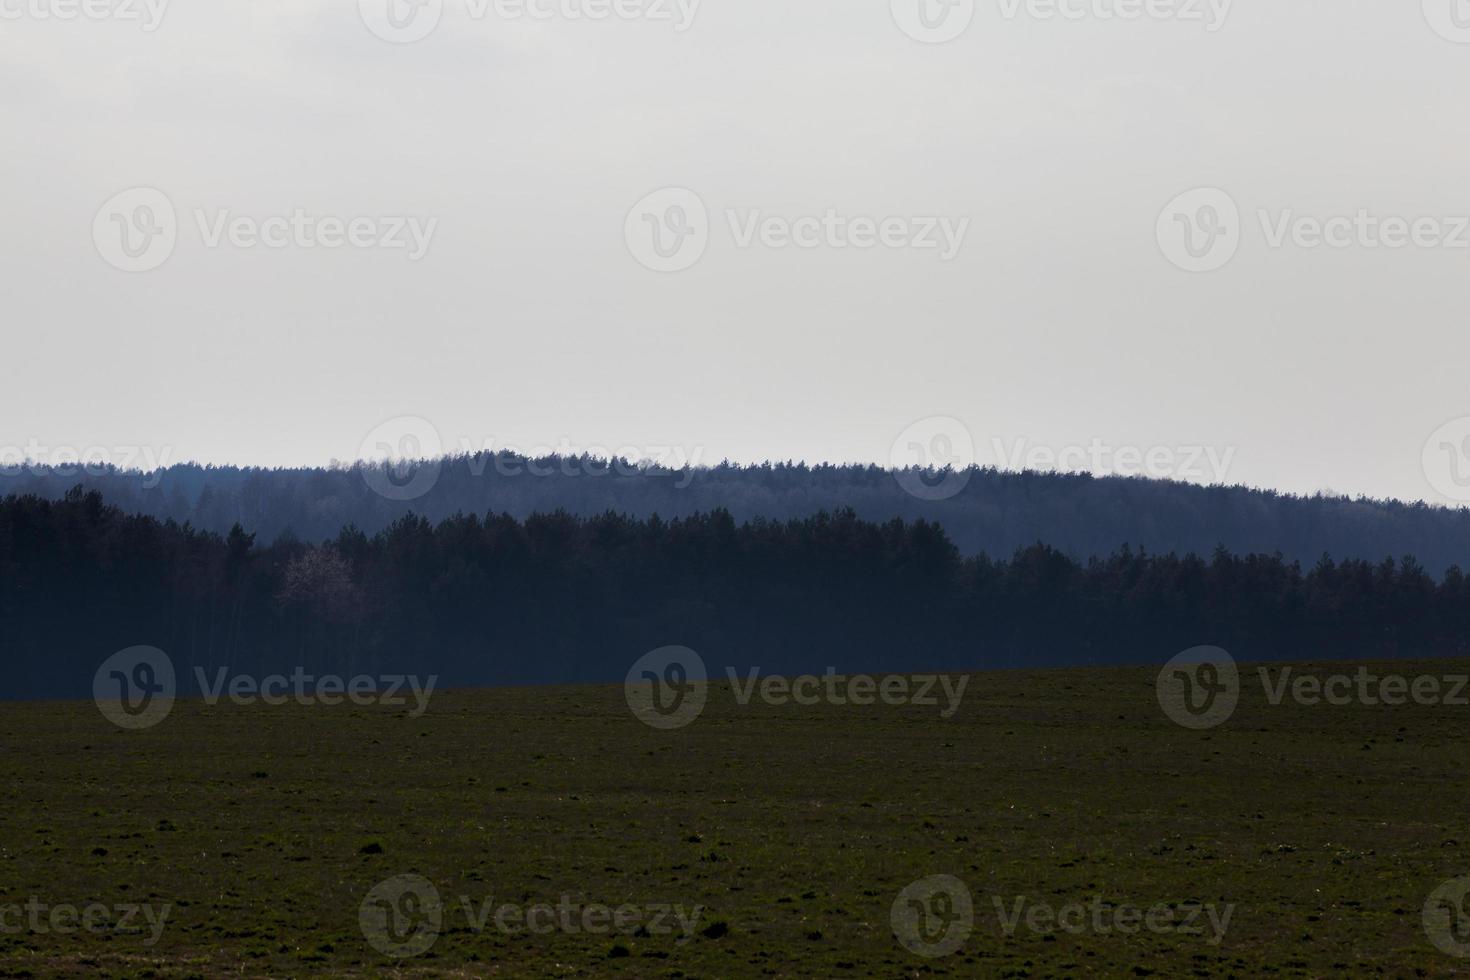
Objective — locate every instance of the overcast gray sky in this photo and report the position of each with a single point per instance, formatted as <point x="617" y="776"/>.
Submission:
<point x="531" y="156"/>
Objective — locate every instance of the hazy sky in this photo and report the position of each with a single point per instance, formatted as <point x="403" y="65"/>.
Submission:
<point x="1038" y="154"/>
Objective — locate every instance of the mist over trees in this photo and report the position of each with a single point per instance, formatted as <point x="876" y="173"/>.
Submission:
<point x="493" y="599"/>
<point x="996" y="512"/>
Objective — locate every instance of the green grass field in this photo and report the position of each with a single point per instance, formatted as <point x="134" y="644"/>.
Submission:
<point x="792" y="829"/>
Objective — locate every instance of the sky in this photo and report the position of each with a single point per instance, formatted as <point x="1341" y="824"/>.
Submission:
<point x="1229" y="240"/>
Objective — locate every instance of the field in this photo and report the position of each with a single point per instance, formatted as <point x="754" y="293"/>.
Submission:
<point x="784" y="834"/>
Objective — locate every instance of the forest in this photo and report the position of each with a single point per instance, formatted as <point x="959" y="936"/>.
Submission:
<point x="491" y="599"/>
<point x="994" y="512"/>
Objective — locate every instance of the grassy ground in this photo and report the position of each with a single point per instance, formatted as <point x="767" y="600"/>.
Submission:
<point x="795" y="828"/>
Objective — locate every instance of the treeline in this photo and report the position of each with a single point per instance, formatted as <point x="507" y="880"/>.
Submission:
<point x="996" y="512"/>
<point x="557" y="598"/>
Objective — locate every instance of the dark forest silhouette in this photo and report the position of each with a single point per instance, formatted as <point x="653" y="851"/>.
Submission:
<point x="995" y="513"/>
<point x="557" y="598"/>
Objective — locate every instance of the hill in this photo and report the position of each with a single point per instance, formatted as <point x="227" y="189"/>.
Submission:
<point x="982" y="510"/>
